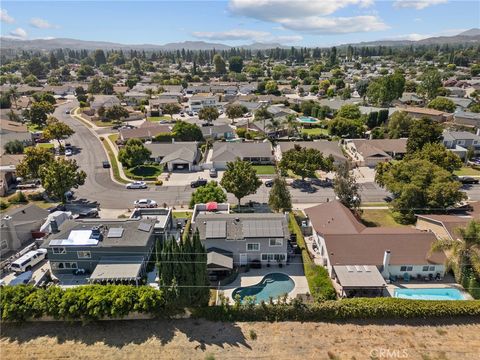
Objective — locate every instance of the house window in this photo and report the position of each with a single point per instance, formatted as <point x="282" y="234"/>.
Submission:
<point x="276" y="242"/>
<point x="425" y="268"/>
<point x="432" y="268"/>
<point x="406" y="268"/>
<point x="70" y="265"/>
<point x="59" y="250"/>
<point x="253" y="246"/>
<point x="84" y="254"/>
<point x="273" y="257"/>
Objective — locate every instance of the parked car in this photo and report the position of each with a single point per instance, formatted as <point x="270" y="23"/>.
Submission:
<point x="213" y="173"/>
<point x="59" y="207"/>
<point x="137" y="185"/>
<point x="468" y="180"/>
<point x="88" y="213"/>
<point x="145" y="203"/>
<point x="67" y="111"/>
<point x="106" y="164"/>
<point x="269" y="183"/>
<point x="207" y="124"/>
<point x="29" y="260"/>
<point x="198" y="183"/>
<point x="68" y="152"/>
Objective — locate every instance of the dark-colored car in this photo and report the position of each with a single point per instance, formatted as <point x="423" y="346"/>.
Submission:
<point x="88" y="213"/>
<point x="105" y="164"/>
<point x="269" y="183"/>
<point x="207" y="124"/>
<point x="198" y="183"/>
<point x="468" y="180"/>
<point x="59" y="207"/>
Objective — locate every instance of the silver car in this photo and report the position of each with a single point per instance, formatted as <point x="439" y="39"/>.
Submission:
<point x="136" y="185"/>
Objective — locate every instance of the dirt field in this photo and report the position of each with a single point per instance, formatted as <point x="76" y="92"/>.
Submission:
<point x="190" y="339"/>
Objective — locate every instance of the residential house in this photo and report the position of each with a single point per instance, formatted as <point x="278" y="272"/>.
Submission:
<point x="467" y="118"/>
<point x="197" y="89"/>
<point x="109" y="250"/>
<point x="176" y="156"/>
<point x="218" y="132"/>
<point x="106" y="101"/>
<point x="163" y="227"/>
<point x="156" y="105"/>
<point x="456" y="91"/>
<point x="133" y="98"/>
<point x="359" y="258"/>
<point x="11" y="131"/>
<point x="245" y="237"/>
<point x="8" y="164"/>
<point x="327" y="148"/>
<point x="411" y="99"/>
<point x="256" y="153"/>
<point x="371" y="152"/>
<point x="461" y="103"/>
<point x="200" y="101"/>
<point x="146" y="131"/>
<point x="18" y="227"/>
<point x="460" y="141"/>
<point x="418" y="112"/>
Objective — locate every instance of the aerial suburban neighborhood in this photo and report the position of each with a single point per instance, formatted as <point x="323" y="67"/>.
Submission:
<point x="206" y="200"/>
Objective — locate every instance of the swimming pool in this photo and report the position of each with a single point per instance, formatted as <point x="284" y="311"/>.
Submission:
<point x="429" y="294"/>
<point x="307" y="119"/>
<point x="272" y="285"/>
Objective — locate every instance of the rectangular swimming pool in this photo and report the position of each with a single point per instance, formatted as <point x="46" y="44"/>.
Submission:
<point x="429" y="294"/>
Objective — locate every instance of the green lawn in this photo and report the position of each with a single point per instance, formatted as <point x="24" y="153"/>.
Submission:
<point x="113" y="162"/>
<point x="265" y="169"/>
<point x="34" y="127"/>
<point x="374" y="204"/>
<point x="46" y="145"/>
<point x="100" y="123"/>
<point x="182" y="214"/>
<point x="113" y="138"/>
<point x="158" y="118"/>
<point x="315" y="131"/>
<point x="467" y="171"/>
<point x="144" y="172"/>
<point x="379" y="217"/>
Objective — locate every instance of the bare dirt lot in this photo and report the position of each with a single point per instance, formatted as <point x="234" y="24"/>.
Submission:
<point x="192" y="339"/>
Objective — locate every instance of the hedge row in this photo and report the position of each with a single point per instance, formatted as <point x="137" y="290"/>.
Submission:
<point x="91" y="302"/>
<point x="361" y="308"/>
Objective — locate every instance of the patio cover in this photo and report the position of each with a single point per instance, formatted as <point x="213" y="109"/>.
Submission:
<point x="122" y="268"/>
<point x="219" y="260"/>
<point x="359" y="276"/>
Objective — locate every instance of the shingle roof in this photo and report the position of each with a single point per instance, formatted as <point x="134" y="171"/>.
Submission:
<point x="382" y="145"/>
<point x="171" y="151"/>
<point x="324" y="146"/>
<point x="30" y="212"/>
<point x="230" y="151"/>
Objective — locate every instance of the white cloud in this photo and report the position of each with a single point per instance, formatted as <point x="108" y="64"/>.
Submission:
<point x="417" y="4"/>
<point x="309" y="16"/>
<point x="246" y="35"/>
<point x="4" y="17"/>
<point x="18" y="33"/>
<point x="41" y="24"/>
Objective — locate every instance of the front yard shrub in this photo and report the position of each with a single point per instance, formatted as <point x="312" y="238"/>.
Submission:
<point x="19" y="198"/>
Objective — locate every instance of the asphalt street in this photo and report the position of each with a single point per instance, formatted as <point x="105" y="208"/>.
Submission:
<point x="99" y="187"/>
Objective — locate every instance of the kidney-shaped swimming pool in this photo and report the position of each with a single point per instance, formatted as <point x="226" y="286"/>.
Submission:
<point x="272" y="285"/>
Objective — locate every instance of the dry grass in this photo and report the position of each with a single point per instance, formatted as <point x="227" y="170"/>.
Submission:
<point x="199" y="339"/>
<point x="379" y="217"/>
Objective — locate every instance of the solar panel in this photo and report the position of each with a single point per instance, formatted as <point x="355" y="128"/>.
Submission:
<point x="349" y="268"/>
<point x="144" y="227"/>
<point x="262" y="228"/>
<point x="115" y="233"/>
<point x="216" y="230"/>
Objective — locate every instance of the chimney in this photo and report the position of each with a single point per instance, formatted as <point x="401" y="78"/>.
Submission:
<point x="478" y="132"/>
<point x="386" y="264"/>
<point x="53" y="226"/>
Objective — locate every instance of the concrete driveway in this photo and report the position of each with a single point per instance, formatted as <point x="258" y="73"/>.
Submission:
<point x="185" y="178"/>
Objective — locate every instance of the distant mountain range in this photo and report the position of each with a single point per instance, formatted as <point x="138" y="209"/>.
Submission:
<point x="469" y="36"/>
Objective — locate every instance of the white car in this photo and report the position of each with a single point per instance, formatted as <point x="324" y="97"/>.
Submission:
<point x="145" y="203"/>
<point x="68" y="152"/>
<point x="136" y="185"/>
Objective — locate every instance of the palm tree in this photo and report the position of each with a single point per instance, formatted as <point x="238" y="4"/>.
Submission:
<point x="291" y="123"/>
<point x="150" y="92"/>
<point x="14" y="95"/>
<point x="273" y="125"/>
<point x="463" y="252"/>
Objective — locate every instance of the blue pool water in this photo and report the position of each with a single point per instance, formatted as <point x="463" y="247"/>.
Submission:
<point x="429" y="294"/>
<point x="272" y="285"/>
<point x="307" y="119"/>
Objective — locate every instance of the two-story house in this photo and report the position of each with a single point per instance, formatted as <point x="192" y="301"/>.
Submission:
<point x="459" y="142"/>
<point x="200" y="101"/>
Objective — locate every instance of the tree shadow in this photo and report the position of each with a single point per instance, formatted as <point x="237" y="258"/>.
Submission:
<point x="124" y="332"/>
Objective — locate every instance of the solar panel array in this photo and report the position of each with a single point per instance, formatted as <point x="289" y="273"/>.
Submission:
<point x="262" y="228"/>
<point x="115" y="233"/>
<point x="144" y="226"/>
<point x="216" y="230"/>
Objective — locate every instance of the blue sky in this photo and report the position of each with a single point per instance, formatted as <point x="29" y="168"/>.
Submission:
<point x="236" y="22"/>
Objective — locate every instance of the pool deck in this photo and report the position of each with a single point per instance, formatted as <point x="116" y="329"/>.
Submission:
<point x="294" y="269"/>
<point x="447" y="282"/>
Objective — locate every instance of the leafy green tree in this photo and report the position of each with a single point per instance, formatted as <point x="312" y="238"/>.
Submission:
<point x="134" y="153"/>
<point x="382" y="91"/>
<point x="437" y="154"/>
<point x="171" y="109"/>
<point x="271" y="87"/>
<point x="423" y="131"/>
<point x="362" y="87"/>
<point x="116" y="112"/>
<point x="60" y="176"/>
<point x="346" y="187"/>
<point x="57" y="130"/>
<point x="345" y="128"/>
<point x="235" y="111"/>
<point x="235" y="64"/>
<point x="219" y="63"/>
<point x="36" y="67"/>
<point x="442" y="104"/>
<point x="279" y="198"/>
<point x="43" y="96"/>
<point x="240" y="179"/>
<point x="183" y="131"/>
<point x="349" y="111"/>
<point x="418" y="186"/>
<point x="13" y="147"/>
<point x="399" y="125"/>
<point x="35" y="158"/>
<point x="5" y="102"/>
<point x="207" y="193"/>
<point x="431" y="81"/>
<point x="39" y="111"/>
<point x="99" y="57"/>
<point x="209" y="114"/>
<point x="305" y="162"/>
